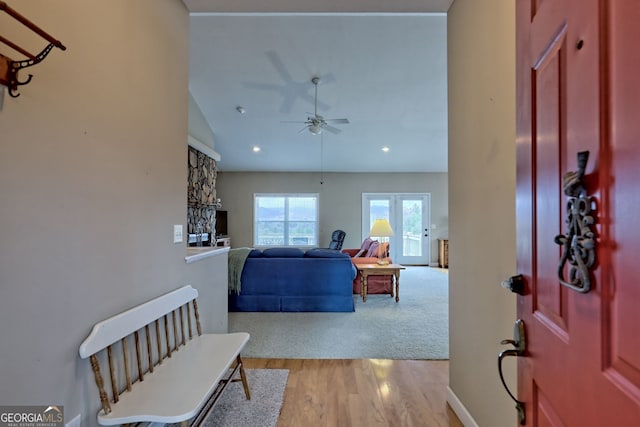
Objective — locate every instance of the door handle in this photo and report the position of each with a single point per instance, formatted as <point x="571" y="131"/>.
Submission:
<point x="519" y="343"/>
<point x="515" y="284"/>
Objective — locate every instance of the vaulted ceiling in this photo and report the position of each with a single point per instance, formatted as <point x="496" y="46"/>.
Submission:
<point x="382" y="66"/>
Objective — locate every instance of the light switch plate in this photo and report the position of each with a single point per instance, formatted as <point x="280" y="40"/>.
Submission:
<point x="177" y="233"/>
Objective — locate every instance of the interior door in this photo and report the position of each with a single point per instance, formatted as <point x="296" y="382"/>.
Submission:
<point x="577" y="69"/>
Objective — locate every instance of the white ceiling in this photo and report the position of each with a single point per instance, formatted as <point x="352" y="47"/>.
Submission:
<point x="385" y="72"/>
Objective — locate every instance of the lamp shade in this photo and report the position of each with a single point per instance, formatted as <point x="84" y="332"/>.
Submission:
<point x="381" y="228"/>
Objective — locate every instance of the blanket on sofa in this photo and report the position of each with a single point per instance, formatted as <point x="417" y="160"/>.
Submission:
<point x="237" y="257"/>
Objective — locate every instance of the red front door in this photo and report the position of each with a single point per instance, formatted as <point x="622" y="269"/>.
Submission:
<point x="578" y="89"/>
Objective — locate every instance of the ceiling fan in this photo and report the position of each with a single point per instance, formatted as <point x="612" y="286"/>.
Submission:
<point x="316" y="123"/>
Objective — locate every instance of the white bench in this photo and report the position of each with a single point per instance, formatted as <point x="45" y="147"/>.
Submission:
<point x="177" y="376"/>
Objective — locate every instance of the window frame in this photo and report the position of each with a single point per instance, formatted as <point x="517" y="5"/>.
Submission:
<point x="287" y="197"/>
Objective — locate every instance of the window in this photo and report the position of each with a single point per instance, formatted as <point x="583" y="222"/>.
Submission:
<point x="285" y="219"/>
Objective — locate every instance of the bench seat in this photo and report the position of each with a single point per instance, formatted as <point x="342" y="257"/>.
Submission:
<point x="158" y="368"/>
<point x="181" y="385"/>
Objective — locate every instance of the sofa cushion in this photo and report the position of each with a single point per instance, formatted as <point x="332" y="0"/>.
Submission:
<point x="255" y="253"/>
<point x="324" y="253"/>
<point x="283" y="253"/>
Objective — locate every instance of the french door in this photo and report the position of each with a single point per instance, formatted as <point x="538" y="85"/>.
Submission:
<point x="409" y="217"/>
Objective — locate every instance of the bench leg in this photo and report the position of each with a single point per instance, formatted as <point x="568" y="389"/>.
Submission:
<point x="243" y="376"/>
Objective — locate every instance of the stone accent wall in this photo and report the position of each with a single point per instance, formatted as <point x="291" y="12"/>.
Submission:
<point x="201" y="192"/>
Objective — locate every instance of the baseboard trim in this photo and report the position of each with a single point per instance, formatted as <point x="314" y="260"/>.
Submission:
<point x="460" y="410"/>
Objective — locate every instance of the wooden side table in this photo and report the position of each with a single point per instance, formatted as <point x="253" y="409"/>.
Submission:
<point x="366" y="270"/>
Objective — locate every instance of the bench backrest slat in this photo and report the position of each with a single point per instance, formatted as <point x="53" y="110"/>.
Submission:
<point x="136" y="336"/>
<point x="182" y="327"/>
<point x="126" y="328"/>
<point x="115" y="328"/>
<point x="112" y="374"/>
<point x="175" y="330"/>
<point x="149" y="351"/>
<point x="125" y="356"/>
<point x="159" y="341"/>
<point x="167" y="335"/>
<point x="197" y="316"/>
<point x="189" y="321"/>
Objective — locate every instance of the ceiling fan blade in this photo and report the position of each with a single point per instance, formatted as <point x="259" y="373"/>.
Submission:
<point x="279" y="65"/>
<point x="338" y="121"/>
<point x="287" y="103"/>
<point x="303" y="129"/>
<point x="292" y="121"/>
<point x="327" y="78"/>
<point x="261" y="86"/>
<point x="331" y="129"/>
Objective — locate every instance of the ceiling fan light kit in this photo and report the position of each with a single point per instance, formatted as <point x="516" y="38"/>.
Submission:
<point x="315" y="129"/>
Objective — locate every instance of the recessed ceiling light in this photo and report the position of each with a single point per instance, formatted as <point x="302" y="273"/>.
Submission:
<point x="385" y="149"/>
<point x="256" y="149"/>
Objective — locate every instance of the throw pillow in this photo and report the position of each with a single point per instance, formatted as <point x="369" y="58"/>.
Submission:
<point x="384" y="249"/>
<point x="359" y="253"/>
<point x="366" y="243"/>
<point x="373" y="249"/>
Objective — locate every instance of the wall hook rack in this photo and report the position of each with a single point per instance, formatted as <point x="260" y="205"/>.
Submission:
<point x="8" y="67"/>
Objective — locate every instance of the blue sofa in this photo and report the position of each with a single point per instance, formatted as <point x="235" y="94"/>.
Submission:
<point x="288" y="279"/>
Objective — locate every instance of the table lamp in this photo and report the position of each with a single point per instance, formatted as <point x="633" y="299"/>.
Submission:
<point x="381" y="228"/>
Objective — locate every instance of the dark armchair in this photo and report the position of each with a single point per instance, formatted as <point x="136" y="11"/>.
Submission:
<point x="337" y="238"/>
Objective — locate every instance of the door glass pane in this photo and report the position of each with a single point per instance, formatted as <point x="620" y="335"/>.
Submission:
<point x="412" y="227"/>
<point x="378" y="209"/>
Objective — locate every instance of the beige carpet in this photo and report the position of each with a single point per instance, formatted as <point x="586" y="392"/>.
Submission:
<point x="415" y="328"/>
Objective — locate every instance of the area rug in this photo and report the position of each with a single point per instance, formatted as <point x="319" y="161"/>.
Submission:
<point x="417" y="327"/>
<point x="267" y="393"/>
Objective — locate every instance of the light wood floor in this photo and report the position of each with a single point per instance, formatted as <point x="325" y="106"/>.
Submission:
<point x="363" y="392"/>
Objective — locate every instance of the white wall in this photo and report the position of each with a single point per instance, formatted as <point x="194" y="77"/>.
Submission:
<point x="340" y="199"/>
<point x="92" y="178"/>
<point x="481" y="51"/>
<point x="198" y="126"/>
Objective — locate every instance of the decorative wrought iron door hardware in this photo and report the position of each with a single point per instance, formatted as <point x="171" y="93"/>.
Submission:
<point x="578" y="245"/>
